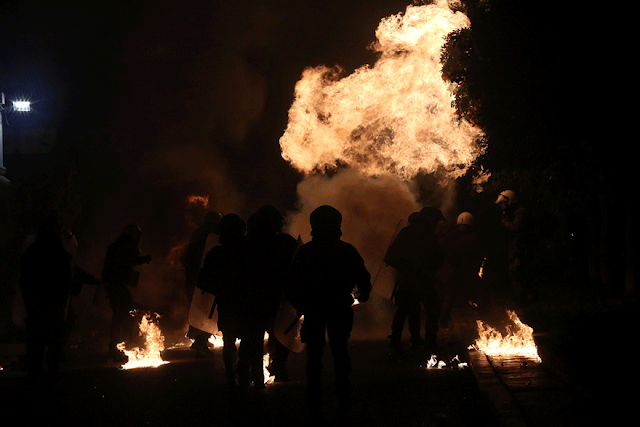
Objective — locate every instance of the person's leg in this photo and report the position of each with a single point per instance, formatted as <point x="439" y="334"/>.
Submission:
<point x="433" y="309"/>
<point x="230" y="356"/>
<point x="313" y="334"/>
<point x="339" y="330"/>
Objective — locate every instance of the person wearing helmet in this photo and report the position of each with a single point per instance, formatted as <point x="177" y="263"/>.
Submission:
<point x="222" y="274"/>
<point x="118" y="275"/>
<point x="516" y="227"/>
<point x="202" y="240"/>
<point x="415" y="255"/>
<point x="269" y="256"/>
<point x="325" y="272"/>
<point x="459" y="276"/>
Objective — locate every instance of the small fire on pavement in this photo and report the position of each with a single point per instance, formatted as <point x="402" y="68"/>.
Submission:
<point x="149" y="356"/>
<point x="434" y="363"/>
<point x="517" y="342"/>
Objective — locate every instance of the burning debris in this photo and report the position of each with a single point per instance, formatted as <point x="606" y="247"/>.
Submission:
<point x="266" y="361"/>
<point x="149" y="356"/>
<point x="517" y="342"/>
<point x="455" y="363"/>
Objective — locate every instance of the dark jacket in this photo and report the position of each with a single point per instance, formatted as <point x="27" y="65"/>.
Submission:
<point x="416" y="256"/>
<point x="122" y="255"/>
<point x="45" y="274"/>
<point x="325" y="272"/>
<point x="223" y="274"/>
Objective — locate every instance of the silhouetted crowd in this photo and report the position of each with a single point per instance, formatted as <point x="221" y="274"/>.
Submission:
<point x="253" y="271"/>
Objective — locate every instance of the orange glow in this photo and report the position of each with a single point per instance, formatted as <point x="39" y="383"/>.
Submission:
<point x="198" y="200"/>
<point x="395" y="117"/>
<point x="175" y="253"/>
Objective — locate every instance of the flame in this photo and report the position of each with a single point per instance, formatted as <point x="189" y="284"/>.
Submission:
<point x="217" y="342"/>
<point x="268" y="378"/>
<point x="149" y="356"/>
<point x="434" y="363"/>
<point x="198" y="200"/>
<point x="175" y="253"/>
<point x="518" y="341"/>
<point x="396" y="117"/>
<point x="480" y="179"/>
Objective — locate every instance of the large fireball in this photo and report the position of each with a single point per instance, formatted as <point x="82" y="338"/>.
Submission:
<point x="396" y="117"/>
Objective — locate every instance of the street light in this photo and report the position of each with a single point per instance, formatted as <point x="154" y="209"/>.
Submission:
<point x="22" y="106"/>
<point x="18" y="106"/>
<point x="3" y="171"/>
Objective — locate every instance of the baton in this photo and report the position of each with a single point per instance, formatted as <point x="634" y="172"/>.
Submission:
<point x="213" y="307"/>
<point x="290" y="327"/>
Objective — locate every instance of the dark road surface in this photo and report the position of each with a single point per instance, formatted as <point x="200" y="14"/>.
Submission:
<point x="191" y="391"/>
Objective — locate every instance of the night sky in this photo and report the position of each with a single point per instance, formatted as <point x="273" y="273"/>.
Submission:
<point x="152" y="97"/>
<point x="139" y="104"/>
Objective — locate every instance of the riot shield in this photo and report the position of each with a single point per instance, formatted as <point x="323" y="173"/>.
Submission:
<point x="203" y="314"/>
<point x="287" y="327"/>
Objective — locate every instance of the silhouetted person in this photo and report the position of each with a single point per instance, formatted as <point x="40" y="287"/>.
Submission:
<point x="463" y="255"/>
<point x="325" y="272"/>
<point x="79" y="278"/>
<point x="515" y="223"/>
<point x="416" y="257"/>
<point x="202" y="240"/>
<point x="223" y="274"/>
<point x="270" y="252"/>
<point x="118" y="275"/>
<point x="45" y="282"/>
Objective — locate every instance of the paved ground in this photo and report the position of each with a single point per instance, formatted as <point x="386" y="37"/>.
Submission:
<point x="188" y="390"/>
<point x="588" y="376"/>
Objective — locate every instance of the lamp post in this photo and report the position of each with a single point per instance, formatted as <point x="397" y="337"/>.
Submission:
<point x="18" y="106"/>
<point x="3" y="171"/>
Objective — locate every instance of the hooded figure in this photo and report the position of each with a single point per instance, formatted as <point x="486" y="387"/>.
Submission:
<point x="325" y="272"/>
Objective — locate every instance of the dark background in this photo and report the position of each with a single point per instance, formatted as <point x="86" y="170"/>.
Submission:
<point x="137" y="105"/>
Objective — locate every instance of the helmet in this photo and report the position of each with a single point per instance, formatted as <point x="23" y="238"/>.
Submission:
<point x="508" y="197"/>
<point x="212" y="217"/>
<point x="231" y="225"/>
<point x="268" y="219"/>
<point x="427" y="215"/>
<point x="325" y="220"/>
<point x="132" y="230"/>
<point x="465" y="218"/>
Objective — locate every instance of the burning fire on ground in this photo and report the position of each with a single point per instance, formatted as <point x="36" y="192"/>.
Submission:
<point x="434" y="363"/>
<point x="149" y="356"/>
<point x="517" y="342"/>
